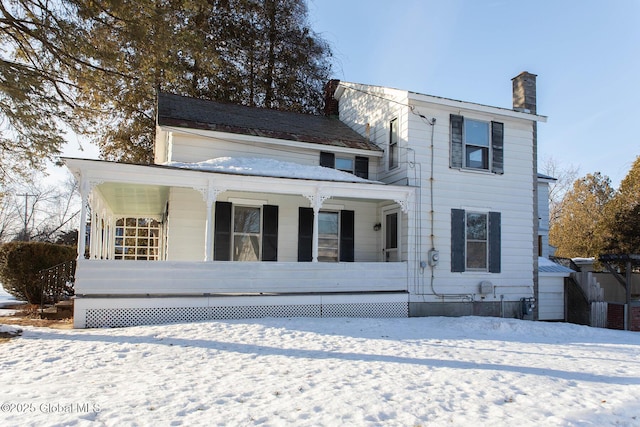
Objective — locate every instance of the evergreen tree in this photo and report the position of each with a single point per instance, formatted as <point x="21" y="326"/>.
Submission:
<point x="95" y="65"/>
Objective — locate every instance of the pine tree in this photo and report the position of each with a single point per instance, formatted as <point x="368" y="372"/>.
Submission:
<point x="96" y="66"/>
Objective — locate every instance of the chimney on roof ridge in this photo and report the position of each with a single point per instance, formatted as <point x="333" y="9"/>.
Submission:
<point x="524" y="92"/>
<point x="330" y="103"/>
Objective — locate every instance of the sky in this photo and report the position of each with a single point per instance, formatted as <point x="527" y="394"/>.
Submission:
<point x="585" y="53"/>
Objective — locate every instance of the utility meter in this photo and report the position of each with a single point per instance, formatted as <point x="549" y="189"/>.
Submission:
<point x="433" y="257"/>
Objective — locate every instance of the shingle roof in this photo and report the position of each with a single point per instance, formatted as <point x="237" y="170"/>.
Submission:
<point x="181" y="111"/>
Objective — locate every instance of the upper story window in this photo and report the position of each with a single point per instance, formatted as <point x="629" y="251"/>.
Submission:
<point x="359" y="166"/>
<point x="477" y="144"/>
<point x="393" y="144"/>
<point x="345" y="165"/>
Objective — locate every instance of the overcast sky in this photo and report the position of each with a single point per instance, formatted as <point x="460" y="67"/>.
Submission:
<point x="586" y="54"/>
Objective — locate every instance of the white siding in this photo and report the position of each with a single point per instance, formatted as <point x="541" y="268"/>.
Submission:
<point x="511" y="194"/>
<point x="186" y="227"/>
<point x="357" y="110"/>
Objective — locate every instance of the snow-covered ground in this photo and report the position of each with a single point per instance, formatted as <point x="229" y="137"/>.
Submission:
<point x="468" y="371"/>
<point x="6" y="299"/>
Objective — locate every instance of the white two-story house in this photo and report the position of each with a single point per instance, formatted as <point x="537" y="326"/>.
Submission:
<point x="392" y="204"/>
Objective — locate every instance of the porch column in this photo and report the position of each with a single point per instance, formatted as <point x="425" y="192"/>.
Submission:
<point x="316" y="200"/>
<point x="208" y="241"/>
<point x="82" y="230"/>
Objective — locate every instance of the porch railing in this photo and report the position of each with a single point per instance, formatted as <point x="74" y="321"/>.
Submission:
<point x="57" y="283"/>
<point x="110" y="277"/>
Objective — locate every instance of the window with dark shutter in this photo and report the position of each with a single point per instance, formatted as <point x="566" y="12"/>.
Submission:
<point x="222" y="232"/>
<point x="305" y="234"/>
<point x="362" y="167"/>
<point x="475" y="146"/>
<point x="466" y="241"/>
<point x="347" y="236"/>
<point x="269" y="233"/>
<point x="328" y="160"/>
<point x="497" y="147"/>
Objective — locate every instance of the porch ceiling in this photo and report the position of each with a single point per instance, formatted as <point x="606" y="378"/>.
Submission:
<point x="135" y="199"/>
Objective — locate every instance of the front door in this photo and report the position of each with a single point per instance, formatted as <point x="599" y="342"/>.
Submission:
<point x="391" y="229"/>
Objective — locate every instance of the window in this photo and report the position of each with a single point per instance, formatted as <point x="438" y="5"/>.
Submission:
<point x="358" y="166"/>
<point x="476" y="144"/>
<point x="335" y="235"/>
<point x="328" y="236"/>
<point x="476" y="231"/>
<point x="475" y="241"/>
<point x="246" y="233"/>
<point x="345" y="165"/>
<point x="393" y="144"/>
<point x="137" y="239"/>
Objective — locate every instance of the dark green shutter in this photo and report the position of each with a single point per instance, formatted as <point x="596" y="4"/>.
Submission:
<point x="494" y="242"/>
<point x="362" y="167"/>
<point x="497" y="147"/>
<point x="269" y="233"/>
<point x="457" y="240"/>
<point x="305" y="234"/>
<point x="347" y="234"/>
<point x="222" y="232"/>
<point x="328" y="160"/>
<point x="456" y="140"/>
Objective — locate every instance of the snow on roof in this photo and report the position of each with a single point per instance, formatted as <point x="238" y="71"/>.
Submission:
<point x="547" y="266"/>
<point x="269" y="167"/>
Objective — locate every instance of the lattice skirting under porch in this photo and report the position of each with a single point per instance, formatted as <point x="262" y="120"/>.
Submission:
<point x="105" y="312"/>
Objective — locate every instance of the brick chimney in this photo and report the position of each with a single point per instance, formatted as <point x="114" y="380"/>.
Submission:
<point x="330" y="103"/>
<point x="524" y="92"/>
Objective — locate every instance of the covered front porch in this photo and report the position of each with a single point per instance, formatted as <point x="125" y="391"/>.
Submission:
<point x="199" y="255"/>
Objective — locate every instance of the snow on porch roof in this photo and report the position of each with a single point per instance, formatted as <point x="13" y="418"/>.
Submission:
<point x="269" y="167"/>
<point x="185" y="112"/>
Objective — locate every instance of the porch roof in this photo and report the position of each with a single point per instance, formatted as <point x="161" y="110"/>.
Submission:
<point x="143" y="189"/>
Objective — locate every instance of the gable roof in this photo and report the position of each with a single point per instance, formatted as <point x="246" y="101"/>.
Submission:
<point x="185" y="112"/>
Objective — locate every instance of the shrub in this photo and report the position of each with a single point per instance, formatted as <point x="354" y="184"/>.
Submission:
<point x="21" y="261"/>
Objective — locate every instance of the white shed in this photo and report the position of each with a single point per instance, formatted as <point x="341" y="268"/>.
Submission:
<point x="551" y="277"/>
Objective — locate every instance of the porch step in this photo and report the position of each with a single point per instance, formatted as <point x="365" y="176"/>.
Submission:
<point x="60" y="310"/>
